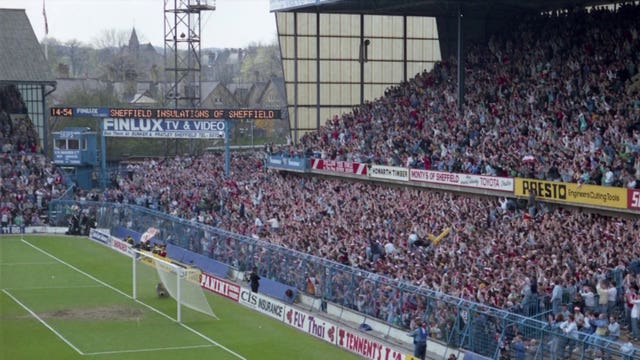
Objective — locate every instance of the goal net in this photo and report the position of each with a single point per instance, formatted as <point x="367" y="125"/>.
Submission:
<point x="155" y="281"/>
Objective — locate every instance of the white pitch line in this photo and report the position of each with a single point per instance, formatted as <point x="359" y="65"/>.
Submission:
<point x="211" y="341"/>
<point x="29" y="263"/>
<point x="43" y="322"/>
<point x="149" y="349"/>
<point x="55" y="287"/>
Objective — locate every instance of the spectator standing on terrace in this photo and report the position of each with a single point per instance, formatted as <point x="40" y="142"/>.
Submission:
<point x="419" y="335"/>
<point x="629" y="296"/>
<point x="603" y="296"/>
<point x="570" y="331"/>
<point x="612" y="297"/>
<point x="556" y="296"/>
<point x="613" y="329"/>
<point x="589" y="298"/>
<point x="635" y="314"/>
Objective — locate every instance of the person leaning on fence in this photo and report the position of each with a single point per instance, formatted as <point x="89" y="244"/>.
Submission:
<point x="419" y="335"/>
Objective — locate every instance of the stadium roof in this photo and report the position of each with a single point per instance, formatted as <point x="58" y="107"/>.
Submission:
<point x="21" y="57"/>
<point x="427" y="7"/>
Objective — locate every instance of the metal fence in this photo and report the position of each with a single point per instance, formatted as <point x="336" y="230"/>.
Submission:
<point x="522" y="333"/>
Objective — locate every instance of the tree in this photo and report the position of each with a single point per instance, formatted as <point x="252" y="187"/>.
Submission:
<point x="79" y="57"/>
<point x="111" y="39"/>
<point x="260" y="64"/>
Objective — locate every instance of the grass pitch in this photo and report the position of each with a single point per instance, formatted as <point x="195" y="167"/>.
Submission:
<point x="69" y="298"/>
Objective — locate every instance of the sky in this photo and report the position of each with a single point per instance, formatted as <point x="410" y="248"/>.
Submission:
<point x="234" y="23"/>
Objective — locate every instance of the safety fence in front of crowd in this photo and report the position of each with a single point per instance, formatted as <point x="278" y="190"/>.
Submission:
<point x="571" y="194"/>
<point x="454" y="322"/>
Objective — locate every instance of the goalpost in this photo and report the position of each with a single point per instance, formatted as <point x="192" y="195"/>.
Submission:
<point x="157" y="278"/>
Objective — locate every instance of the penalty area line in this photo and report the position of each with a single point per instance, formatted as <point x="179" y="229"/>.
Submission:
<point x="43" y="322"/>
<point x="149" y="349"/>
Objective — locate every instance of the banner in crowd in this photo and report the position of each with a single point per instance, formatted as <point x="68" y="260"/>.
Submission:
<point x="149" y="234"/>
<point x="467" y="180"/>
<point x="220" y="286"/>
<point x="633" y="199"/>
<point x="287" y="163"/>
<point x="161" y="128"/>
<point x="389" y="172"/>
<point x="571" y="193"/>
<point x="346" y="167"/>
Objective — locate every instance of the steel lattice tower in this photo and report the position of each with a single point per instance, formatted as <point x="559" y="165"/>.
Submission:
<point x="182" y="51"/>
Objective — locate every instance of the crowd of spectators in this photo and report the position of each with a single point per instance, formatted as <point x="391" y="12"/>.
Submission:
<point x="556" y="97"/>
<point x="29" y="181"/>
<point x="494" y="252"/>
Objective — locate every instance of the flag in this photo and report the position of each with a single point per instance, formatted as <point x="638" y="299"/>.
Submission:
<point x="46" y="24"/>
<point x="151" y="232"/>
<point x="436" y="240"/>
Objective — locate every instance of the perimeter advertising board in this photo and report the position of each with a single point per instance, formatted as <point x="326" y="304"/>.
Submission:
<point x="365" y="346"/>
<point x="633" y="199"/>
<point x="261" y="303"/>
<point x="287" y="163"/>
<point x="466" y="180"/>
<point x="346" y="338"/>
<point x="311" y="324"/>
<point x="220" y="286"/>
<point x="570" y="193"/>
<point x="389" y="172"/>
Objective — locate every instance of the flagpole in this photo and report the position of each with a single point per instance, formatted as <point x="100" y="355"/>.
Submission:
<point x="46" y="31"/>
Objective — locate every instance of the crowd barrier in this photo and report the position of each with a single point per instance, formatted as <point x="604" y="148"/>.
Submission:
<point x="455" y="322"/>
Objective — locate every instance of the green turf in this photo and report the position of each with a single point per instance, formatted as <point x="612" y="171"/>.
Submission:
<point x="93" y="316"/>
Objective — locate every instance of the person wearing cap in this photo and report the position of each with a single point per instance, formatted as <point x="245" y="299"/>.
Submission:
<point x="419" y="335"/>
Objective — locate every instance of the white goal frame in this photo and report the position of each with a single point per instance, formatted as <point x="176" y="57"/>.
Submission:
<point x="181" y="274"/>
